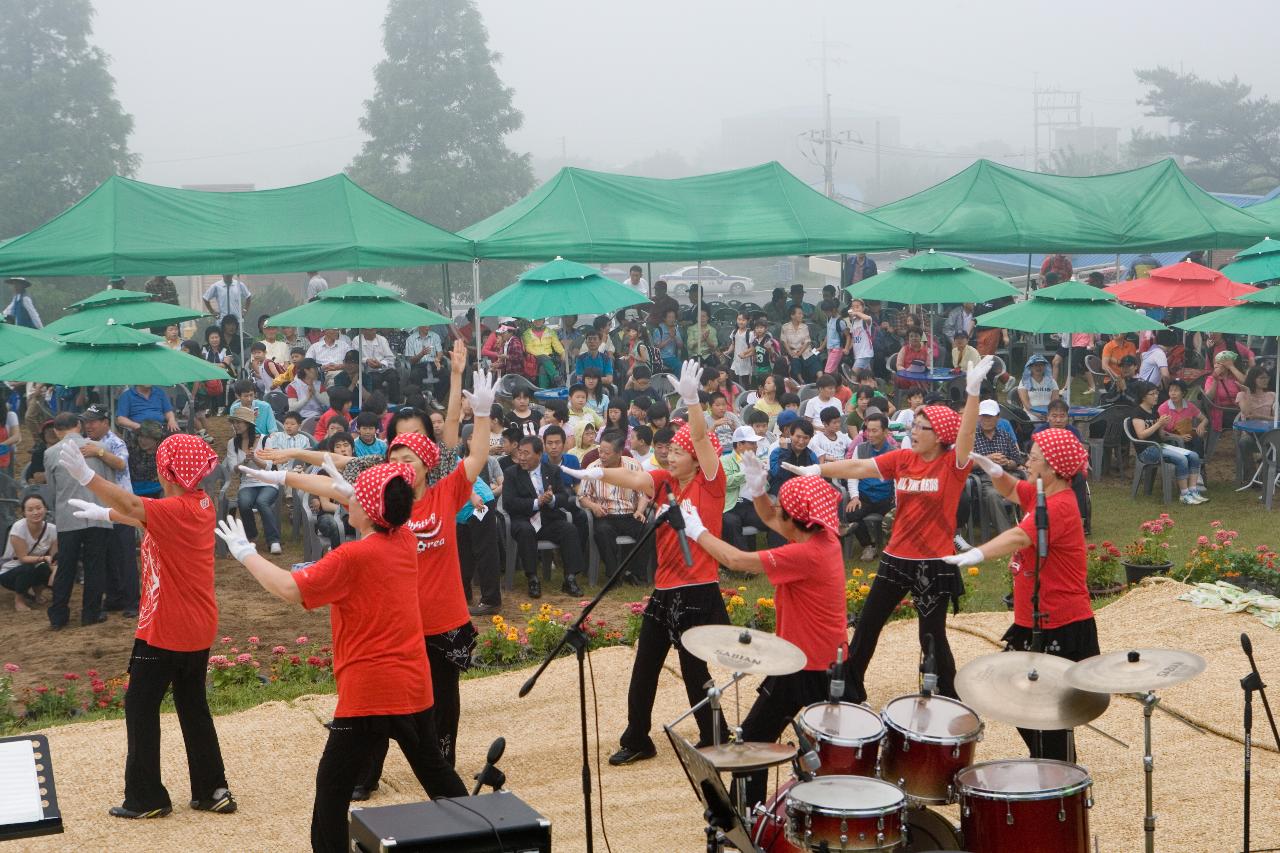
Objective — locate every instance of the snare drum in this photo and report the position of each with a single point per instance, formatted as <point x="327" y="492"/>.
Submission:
<point x="1025" y="804"/>
<point x="928" y="739"/>
<point x="842" y="813"/>
<point x="847" y="737"/>
<point x="767" y="831"/>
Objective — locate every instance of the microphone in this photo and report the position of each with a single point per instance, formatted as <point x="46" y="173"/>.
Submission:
<point x="807" y="762"/>
<point x="1247" y="645"/>
<point x="929" y="667"/>
<point x="837" y="677"/>
<point x="1042" y="521"/>
<point x="676" y="520"/>
<point x="490" y="775"/>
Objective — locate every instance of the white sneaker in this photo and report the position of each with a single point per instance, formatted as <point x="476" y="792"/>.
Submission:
<point x="1201" y="497"/>
<point x="1188" y="499"/>
<point x="868" y="554"/>
<point x="276" y="549"/>
<point x="961" y="544"/>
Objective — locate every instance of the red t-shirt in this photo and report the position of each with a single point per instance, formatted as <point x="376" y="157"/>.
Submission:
<point x="927" y="495"/>
<point x="440" y="598"/>
<point x="809" y="581"/>
<point x="708" y="497"/>
<point x="1064" y="594"/>
<point x="379" y="658"/>
<point x="178" y="610"/>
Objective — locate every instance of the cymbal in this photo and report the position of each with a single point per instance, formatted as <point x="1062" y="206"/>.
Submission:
<point x="743" y="649"/>
<point x="1135" y="670"/>
<point x="738" y="757"/>
<point x="1028" y="690"/>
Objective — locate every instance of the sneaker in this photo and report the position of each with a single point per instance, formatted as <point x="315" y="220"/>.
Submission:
<point x="626" y="756"/>
<point x="961" y="544"/>
<point x="130" y="814"/>
<point x="868" y="554"/>
<point x="360" y="793"/>
<point x="276" y="549"/>
<point x="570" y="586"/>
<point x="221" y="802"/>
<point x="535" y="586"/>
<point x="484" y="609"/>
<point x="1189" y="499"/>
<point x="1201" y="497"/>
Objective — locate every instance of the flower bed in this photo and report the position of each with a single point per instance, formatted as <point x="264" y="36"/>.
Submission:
<point x="504" y="644"/>
<point x="1216" y="556"/>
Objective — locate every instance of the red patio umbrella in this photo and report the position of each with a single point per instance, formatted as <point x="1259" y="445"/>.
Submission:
<point x="1182" y="285"/>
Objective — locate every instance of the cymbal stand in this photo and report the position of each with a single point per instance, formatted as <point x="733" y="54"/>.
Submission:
<point x="1149" y="702"/>
<point x="713" y="699"/>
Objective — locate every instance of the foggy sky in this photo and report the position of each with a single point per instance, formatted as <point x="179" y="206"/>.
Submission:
<point x="270" y="93"/>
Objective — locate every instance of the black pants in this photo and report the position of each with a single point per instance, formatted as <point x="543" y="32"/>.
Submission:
<point x="88" y="546"/>
<point x="781" y="698"/>
<point x="152" y="671"/>
<point x="865" y="508"/>
<point x="1081" y="489"/>
<point x="23" y="577"/>
<point x="742" y="514"/>
<point x="445" y="713"/>
<point x="346" y="753"/>
<point x="933" y="585"/>
<point x="1075" y="641"/>
<point x="607" y="530"/>
<point x="558" y="530"/>
<point x="478" y="556"/>
<point x="669" y="614"/>
<point x="122" y="569"/>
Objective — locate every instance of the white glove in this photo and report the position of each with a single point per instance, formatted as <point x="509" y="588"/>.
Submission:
<point x="340" y="484"/>
<point x="690" y="382"/>
<point x="693" y="526"/>
<point x="481" y="399"/>
<point x="89" y="511"/>
<point x="231" y="530"/>
<point x="584" y="473"/>
<point x="969" y="558"/>
<point x="992" y="469"/>
<point x="262" y="475"/>
<point x="974" y="375"/>
<point x="803" y="470"/>
<point x="757" y="478"/>
<point x="73" y="461"/>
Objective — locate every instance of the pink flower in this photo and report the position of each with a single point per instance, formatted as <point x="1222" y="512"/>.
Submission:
<point x="1203" y="540"/>
<point x="41" y="689"/>
<point x="71" y="676"/>
<point x="1215" y="524"/>
<point x="583" y="603"/>
<point x="12" y="668"/>
<point x="301" y="640"/>
<point x="315" y="661"/>
<point x="295" y="660"/>
<point x="226" y="640"/>
<point x="244" y="658"/>
<point x="98" y="687"/>
<point x="92" y="673"/>
<point x="253" y="640"/>
<point x="566" y="617"/>
<point x="233" y="651"/>
<point x="219" y="662"/>
<point x="278" y="650"/>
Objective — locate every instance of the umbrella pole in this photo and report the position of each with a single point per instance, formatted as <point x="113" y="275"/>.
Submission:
<point x="360" y="370"/>
<point x="475" y="302"/>
<point x="1117" y="268"/>
<point x="1028" y="273"/>
<point x="698" y="312"/>
<point x="649" y="266"/>
<point x="1070" y="355"/>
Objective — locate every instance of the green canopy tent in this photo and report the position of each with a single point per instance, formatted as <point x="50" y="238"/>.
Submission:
<point x="126" y="227"/>
<point x="18" y="342"/>
<point x="1257" y="314"/>
<point x="932" y="278"/>
<point x="1072" y="307"/>
<point x="993" y="208"/>
<point x="1259" y="262"/>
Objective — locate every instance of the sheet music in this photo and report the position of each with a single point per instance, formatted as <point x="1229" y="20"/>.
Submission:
<point x="19" y="789"/>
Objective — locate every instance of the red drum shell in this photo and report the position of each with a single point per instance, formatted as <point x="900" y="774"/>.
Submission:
<point x="1025" y="804"/>
<point x="845" y="813"/>
<point x="846" y="736"/>
<point x="927" y="739"/>
<point x="768" y="830"/>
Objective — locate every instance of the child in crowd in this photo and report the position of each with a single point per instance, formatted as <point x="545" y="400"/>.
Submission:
<point x="335" y="426"/>
<point x="638" y="411"/>
<point x="367" y="441"/>
<point x="264" y="420"/>
<point x="642" y="446"/>
<point x="522" y="415"/>
<point x="339" y="407"/>
<point x="579" y="412"/>
<point x="658" y="417"/>
<point x="815" y="406"/>
<point x="831" y="443"/>
<point x="661" y="445"/>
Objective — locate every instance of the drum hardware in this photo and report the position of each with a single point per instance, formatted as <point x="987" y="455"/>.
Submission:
<point x="744" y="650"/>
<point x="1252" y="683"/>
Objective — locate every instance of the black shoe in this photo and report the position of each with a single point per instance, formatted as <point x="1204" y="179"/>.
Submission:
<point x="53" y="627"/>
<point x="570" y="585"/>
<point x="129" y="614"/>
<point x="632" y="579"/>
<point x="121" y="811"/>
<point x="535" y="587"/>
<point x="630" y="756"/>
<point x="221" y="802"/>
<point x="360" y="793"/>
<point x="95" y="620"/>
<point x="484" y="609"/>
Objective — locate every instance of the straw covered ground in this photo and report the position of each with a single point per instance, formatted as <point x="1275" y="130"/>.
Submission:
<point x="271" y="750"/>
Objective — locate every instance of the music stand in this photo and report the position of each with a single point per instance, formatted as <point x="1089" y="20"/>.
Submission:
<point x="723" y="821"/>
<point x="28" y="799"/>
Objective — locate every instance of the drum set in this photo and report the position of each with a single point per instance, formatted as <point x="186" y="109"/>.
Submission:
<point x="863" y="780"/>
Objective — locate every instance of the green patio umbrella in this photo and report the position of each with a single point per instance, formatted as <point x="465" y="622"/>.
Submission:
<point x="132" y="313"/>
<point x="1259" y="262"/>
<point x="18" y="342"/>
<point x="1257" y="314"/>
<point x="557" y="288"/>
<point x="931" y="278"/>
<point x="112" y="296"/>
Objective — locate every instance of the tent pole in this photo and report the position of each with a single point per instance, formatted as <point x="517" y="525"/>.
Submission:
<point x="1028" y="273"/>
<point x="475" y="305"/>
<point x="1117" y="281"/>
<point x="649" y="266"/>
<point x="698" y="312"/>
<point x="360" y="370"/>
<point x="448" y="291"/>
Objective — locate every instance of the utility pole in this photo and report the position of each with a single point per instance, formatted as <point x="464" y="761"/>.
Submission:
<point x="826" y="138"/>
<point x="1052" y="108"/>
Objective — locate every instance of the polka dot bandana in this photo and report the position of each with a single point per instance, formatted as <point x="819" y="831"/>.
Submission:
<point x="811" y="500"/>
<point x="371" y="487"/>
<point x="185" y="459"/>
<point x="1063" y="451"/>
<point x="426" y="449"/>
<point x="684" y="439"/>
<point x="945" y="422"/>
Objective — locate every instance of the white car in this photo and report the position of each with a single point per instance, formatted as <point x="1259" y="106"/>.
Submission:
<point x="712" y="280"/>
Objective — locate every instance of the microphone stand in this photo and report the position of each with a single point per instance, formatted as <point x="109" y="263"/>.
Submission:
<point x="1037" y="617"/>
<point x="576" y="637"/>
<point x="1252" y="683"/>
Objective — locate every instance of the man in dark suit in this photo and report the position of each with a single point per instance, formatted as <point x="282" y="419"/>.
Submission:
<point x="533" y="495"/>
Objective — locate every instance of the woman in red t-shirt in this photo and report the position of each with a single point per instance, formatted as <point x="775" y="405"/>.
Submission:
<point x="1069" y="629"/>
<point x="175" y="630"/>
<point x="808" y="575"/>
<point x="379" y="661"/>
<point x="685" y="596"/>
<point x="928" y="482"/>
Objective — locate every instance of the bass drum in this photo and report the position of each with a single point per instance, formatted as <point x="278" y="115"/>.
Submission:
<point x="1025" y="804"/>
<point x="769" y="829"/>
<point x="928" y="832"/>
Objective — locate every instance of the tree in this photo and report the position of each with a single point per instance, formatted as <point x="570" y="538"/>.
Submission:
<point x="64" y="131"/>
<point x="437" y="124"/>
<point x="1231" y="139"/>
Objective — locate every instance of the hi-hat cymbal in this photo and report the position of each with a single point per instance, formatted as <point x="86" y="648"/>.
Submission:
<point x="1027" y="689"/>
<point x="1135" y="670"/>
<point x="743" y="649"/>
<point x="741" y="757"/>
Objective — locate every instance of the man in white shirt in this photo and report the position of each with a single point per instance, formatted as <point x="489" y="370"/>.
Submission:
<point x="960" y="319"/>
<point x="229" y="296"/>
<point x="425" y="352"/>
<point x="329" y="351"/>
<point x="379" y="363"/>
<point x="1155" y="361"/>
<point x="830" y="443"/>
<point x="21" y="308"/>
<point x="636" y="279"/>
<point x="315" y="285"/>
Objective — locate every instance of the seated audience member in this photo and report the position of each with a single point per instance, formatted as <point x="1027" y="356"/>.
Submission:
<point x="793" y="448"/>
<point x="1147" y="425"/>
<point x="870" y="496"/>
<point x="1222" y="387"/>
<point x="139" y="403"/>
<point x="814" y="406"/>
<point x="306" y="392"/>
<point x="30" y="554"/>
<point x="642" y="447"/>
<point x="252" y="494"/>
<point x="522" y="415"/>
<point x="1185" y="418"/>
<point x="618" y="511"/>
<point x="830" y="443"/>
<point x="367" y="441"/>
<point x="534" y="489"/>
<point x="594" y="358"/>
<point x="1257" y="399"/>
<point x="339" y="407"/>
<point x="264" y="419"/>
<point x="1037" y="387"/>
<point x="963" y="356"/>
<point x="661" y="447"/>
<point x="721" y="419"/>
